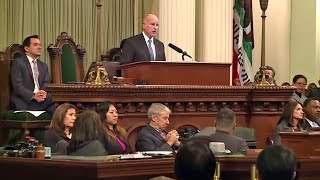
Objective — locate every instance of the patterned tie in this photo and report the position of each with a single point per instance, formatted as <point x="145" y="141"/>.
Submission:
<point x="35" y="73"/>
<point x="163" y="135"/>
<point x="150" y="50"/>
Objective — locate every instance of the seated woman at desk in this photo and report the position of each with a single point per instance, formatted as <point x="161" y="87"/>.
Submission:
<point x="59" y="132"/>
<point x="85" y="134"/>
<point x="291" y="120"/>
<point x="114" y="138"/>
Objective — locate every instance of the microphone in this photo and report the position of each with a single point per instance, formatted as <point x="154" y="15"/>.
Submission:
<point x="179" y="50"/>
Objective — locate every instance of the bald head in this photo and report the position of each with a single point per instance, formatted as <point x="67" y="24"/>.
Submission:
<point x="150" y="25"/>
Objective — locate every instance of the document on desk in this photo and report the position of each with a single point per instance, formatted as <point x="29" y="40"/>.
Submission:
<point x="137" y="155"/>
<point x="35" y="113"/>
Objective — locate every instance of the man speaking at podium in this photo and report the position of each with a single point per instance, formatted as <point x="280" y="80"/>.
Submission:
<point x="144" y="46"/>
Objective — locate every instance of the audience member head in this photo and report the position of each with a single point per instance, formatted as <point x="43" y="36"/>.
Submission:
<point x="64" y="118"/>
<point x="86" y="129"/>
<point x="276" y="163"/>
<point x="108" y="114"/>
<point x="194" y="160"/>
<point x="270" y="71"/>
<point x="312" y="108"/>
<point x="311" y="87"/>
<point x="285" y="84"/>
<point x="299" y="81"/>
<point x="226" y="120"/>
<point x="150" y="25"/>
<point x="159" y="115"/>
<point x="32" y="46"/>
<point x="292" y="113"/>
<point x="236" y="82"/>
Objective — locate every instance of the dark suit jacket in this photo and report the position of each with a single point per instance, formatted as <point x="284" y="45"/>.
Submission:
<point x="283" y="126"/>
<point x="233" y="143"/>
<point x="308" y="126"/>
<point x="52" y="137"/>
<point x="23" y="85"/>
<point x="135" y="49"/>
<point x="113" y="147"/>
<point x="92" y="148"/>
<point x="150" y="140"/>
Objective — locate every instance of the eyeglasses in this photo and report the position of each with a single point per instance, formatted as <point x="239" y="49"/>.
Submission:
<point x="300" y="83"/>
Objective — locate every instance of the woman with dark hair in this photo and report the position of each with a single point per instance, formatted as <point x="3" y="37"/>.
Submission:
<point x="84" y="141"/>
<point x="60" y="128"/>
<point x="114" y="138"/>
<point x="291" y="120"/>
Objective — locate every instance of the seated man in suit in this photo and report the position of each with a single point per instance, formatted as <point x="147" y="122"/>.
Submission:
<point x="276" y="163"/>
<point x="311" y="108"/>
<point x="153" y="137"/>
<point x="144" y="46"/>
<point x="225" y="124"/>
<point x="29" y="78"/>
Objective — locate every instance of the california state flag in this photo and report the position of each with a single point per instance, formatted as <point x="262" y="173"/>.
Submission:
<point x="242" y="42"/>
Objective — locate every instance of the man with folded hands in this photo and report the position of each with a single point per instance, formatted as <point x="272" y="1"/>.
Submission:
<point x="154" y="137"/>
<point x="29" y="78"/>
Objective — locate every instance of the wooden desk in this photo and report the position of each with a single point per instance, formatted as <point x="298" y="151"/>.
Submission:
<point x="178" y="73"/>
<point x="231" y="168"/>
<point x="296" y="140"/>
<point x="192" y="106"/>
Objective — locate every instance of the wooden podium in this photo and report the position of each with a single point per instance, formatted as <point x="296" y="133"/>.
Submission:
<point x="177" y="73"/>
<point x="304" y="144"/>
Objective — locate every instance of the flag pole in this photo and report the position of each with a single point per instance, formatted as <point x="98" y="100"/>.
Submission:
<point x="97" y="74"/>
<point x="265" y="75"/>
<point x="263" y="6"/>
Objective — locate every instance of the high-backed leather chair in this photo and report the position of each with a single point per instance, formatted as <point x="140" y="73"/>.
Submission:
<point x="66" y="60"/>
<point x="113" y="54"/>
<point x="248" y="134"/>
<point x="11" y="52"/>
<point x="8" y="118"/>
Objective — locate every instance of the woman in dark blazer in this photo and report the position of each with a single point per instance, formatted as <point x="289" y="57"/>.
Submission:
<point x="291" y="120"/>
<point x="60" y="129"/>
<point x="113" y="137"/>
<point x="84" y="141"/>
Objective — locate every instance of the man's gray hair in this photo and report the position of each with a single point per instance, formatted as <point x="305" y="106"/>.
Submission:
<point x="225" y="118"/>
<point x="157" y="108"/>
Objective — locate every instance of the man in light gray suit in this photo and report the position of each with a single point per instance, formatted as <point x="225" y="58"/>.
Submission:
<point x="29" y="78"/>
<point x="225" y="125"/>
<point x="153" y="137"/>
<point x="144" y="46"/>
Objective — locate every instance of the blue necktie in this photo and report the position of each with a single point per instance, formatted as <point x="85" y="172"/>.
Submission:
<point x="150" y="50"/>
